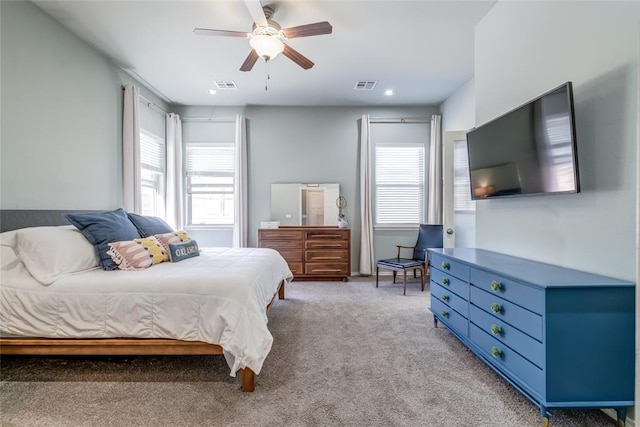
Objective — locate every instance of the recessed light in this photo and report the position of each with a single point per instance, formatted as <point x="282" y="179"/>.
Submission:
<point x="212" y="92"/>
<point x="389" y="92"/>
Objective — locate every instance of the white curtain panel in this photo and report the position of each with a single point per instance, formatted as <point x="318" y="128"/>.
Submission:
<point x="240" y="214"/>
<point x="434" y="203"/>
<point x="367" y="260"/>
<point x="175" y="207"/>
<point x="131" y="150"/>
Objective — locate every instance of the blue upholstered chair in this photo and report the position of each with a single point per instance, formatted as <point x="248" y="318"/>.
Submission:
<point x="429" y="236"/>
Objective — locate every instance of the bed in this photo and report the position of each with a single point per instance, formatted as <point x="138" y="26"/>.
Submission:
<point x="215" y="303"/>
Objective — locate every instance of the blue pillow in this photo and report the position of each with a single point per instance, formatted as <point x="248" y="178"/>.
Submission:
<point x="102" y="228"/>
<point x="149" y="225"/>
<point x="183" y="250"/>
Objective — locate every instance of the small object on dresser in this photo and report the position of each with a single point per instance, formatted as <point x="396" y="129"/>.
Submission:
<point x="269" y="224"/>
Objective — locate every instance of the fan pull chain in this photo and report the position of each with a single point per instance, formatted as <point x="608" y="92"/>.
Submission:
<point x="268" y="77"/>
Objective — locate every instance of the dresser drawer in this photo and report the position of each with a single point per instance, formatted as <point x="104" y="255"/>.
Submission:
<point x="280" y="244"/>
<point x="516" y="292"/>
<point x="296" y="268"/>
<point x="326" y="244"/>
<point x="523" y="319"/>
<point x="447" y="265"/>
<point x="452" y="300"/>
<point x="455" y="285"/>
<point x="326" y="235"/>
<point x="505" y="357"/>
<point x="326" y="256"/>
<point x="291" y="255"/>
<point x="280" y="234"/>
<point x="327" y="268"/>
<point x="530" y="348"/>
<point x="448" y="316"/>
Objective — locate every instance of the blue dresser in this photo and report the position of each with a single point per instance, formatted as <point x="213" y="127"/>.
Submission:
<point x="562" y="337"/>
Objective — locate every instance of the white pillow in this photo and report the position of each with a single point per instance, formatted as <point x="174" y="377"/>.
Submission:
<point x="50" y="253"/>
<point x="8" y="258"/>
<point x="8" y="238"/>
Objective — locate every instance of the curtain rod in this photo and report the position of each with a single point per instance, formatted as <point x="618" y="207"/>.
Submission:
<point x="150" y="103"/>
<point x="209" y="119"/>
<point x="400" y="120"/>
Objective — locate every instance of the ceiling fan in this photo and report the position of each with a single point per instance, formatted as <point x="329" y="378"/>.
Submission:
<point x="266" y="37"/>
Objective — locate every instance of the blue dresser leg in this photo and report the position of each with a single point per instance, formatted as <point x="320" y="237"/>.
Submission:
<point x="435" y="322"/>
<point x="545" y="416"/>
<point x="622" y="416"/>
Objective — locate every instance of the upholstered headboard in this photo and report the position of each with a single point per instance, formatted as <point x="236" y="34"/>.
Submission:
<point x="12" y="219"/>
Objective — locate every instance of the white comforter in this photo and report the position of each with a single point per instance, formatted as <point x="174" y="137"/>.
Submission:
<point x="219" y="297"/>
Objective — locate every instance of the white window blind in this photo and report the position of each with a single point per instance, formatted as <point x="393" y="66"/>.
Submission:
<point x="152" y="170"/>
<point x="210" y="169"/>
<point x="399" y="180"/>
<point x="461" y="184"/>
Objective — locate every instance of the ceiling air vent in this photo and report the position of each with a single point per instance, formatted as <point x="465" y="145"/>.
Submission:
<point x="365" y="84"/>
<point x="225" y="84"/>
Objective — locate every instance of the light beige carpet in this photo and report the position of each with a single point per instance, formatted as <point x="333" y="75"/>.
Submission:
<point x="344" y="354"/>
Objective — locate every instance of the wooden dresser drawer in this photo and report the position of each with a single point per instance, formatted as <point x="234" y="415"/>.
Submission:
<point x="280" y="234"/>
<point x="296" y="268"/>
<point x="527" y="321"/>
<point x="447" y="265"/>
<point x="455" y="285"/>
<point x="326" y="244"/>
<point x="530" y="348"/>
<point x="326" y="268"/>
<point x="326" y="235"/>
<point x="326" y="255"/>
<point x="452" y="300"/>
<point x="516" y="292"/>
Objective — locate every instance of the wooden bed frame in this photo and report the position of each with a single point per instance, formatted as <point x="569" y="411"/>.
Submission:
<point x="13" y="219"/>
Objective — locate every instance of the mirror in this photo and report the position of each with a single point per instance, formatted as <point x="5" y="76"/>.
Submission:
<point x="304" y="204"/>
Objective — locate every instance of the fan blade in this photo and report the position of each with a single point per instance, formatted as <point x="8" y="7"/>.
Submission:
<point x="250" y="61"/>
<point x="297" y="57"/>
<point x="208" y="32"/>
<point x="256" y="12"/>
<point x="308" y="30"/>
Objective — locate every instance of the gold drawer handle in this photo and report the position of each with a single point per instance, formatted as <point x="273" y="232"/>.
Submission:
<point x="332" y="271"/>
<point x="496" y="352"/>
<point x="444" y="297"/>
<point x="496" y="286"/>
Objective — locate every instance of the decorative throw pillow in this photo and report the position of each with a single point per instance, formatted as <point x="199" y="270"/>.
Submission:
<point x="173" y="237"/>
<point x="101" y="228"/>
<point x="137" y="254"/>
<point x="149" y="225"/>
<point x="50" y="253"/>
<point x="183" y="250"/>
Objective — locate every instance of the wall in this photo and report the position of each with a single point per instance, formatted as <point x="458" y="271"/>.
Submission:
<point x="312" y="144"/>
<point x="524" y="49"/>
<point x="458" y="114"/>
<point x="60" y="143"/>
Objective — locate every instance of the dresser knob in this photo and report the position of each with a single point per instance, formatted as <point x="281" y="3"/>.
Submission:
<point x="445" y="265"/>
<point x="444" y="313"/>
<point x="496" y="286"/>
<point x="444" y="297"/>
<point x="496" y="352"/>
<point x="496" y="330"/>
<point x="496" y="308"/>
<point x="445" y="281"/>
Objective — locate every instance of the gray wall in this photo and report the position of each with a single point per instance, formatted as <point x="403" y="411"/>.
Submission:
<point x="60" y="143"/>
<point x="314" y="144"/>
<point x="524" y="49"/>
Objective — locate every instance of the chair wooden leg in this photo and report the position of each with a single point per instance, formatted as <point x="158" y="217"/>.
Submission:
<point x="404" y="282"/>
<point x="422" y="278"/>
<point x="377" y="269"/>
<point x="394" y="276"/>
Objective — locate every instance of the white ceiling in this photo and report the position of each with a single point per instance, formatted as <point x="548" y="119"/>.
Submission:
<point x="423" y="50"/>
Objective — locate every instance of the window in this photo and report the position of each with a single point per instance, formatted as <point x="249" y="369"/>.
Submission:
<point x="152" y="172"/>
<point x="461" y="185"/>
<point x="399" y="184"/>
<point x="210" y="169"/>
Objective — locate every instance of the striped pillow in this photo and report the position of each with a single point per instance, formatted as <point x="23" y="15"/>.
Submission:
<point x="137" y="254"/>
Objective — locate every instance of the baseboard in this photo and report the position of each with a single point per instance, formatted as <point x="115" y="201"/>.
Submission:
<point x="612" y="413"/>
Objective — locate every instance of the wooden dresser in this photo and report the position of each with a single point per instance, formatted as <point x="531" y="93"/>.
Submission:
<point x="562" y="337"/>
<point x="313" y="253"/>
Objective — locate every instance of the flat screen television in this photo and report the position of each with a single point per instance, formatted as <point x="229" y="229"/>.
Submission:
<point x="528" y="151"/>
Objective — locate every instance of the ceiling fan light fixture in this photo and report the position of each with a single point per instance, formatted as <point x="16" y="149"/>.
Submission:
<point x="266" y="46"/>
